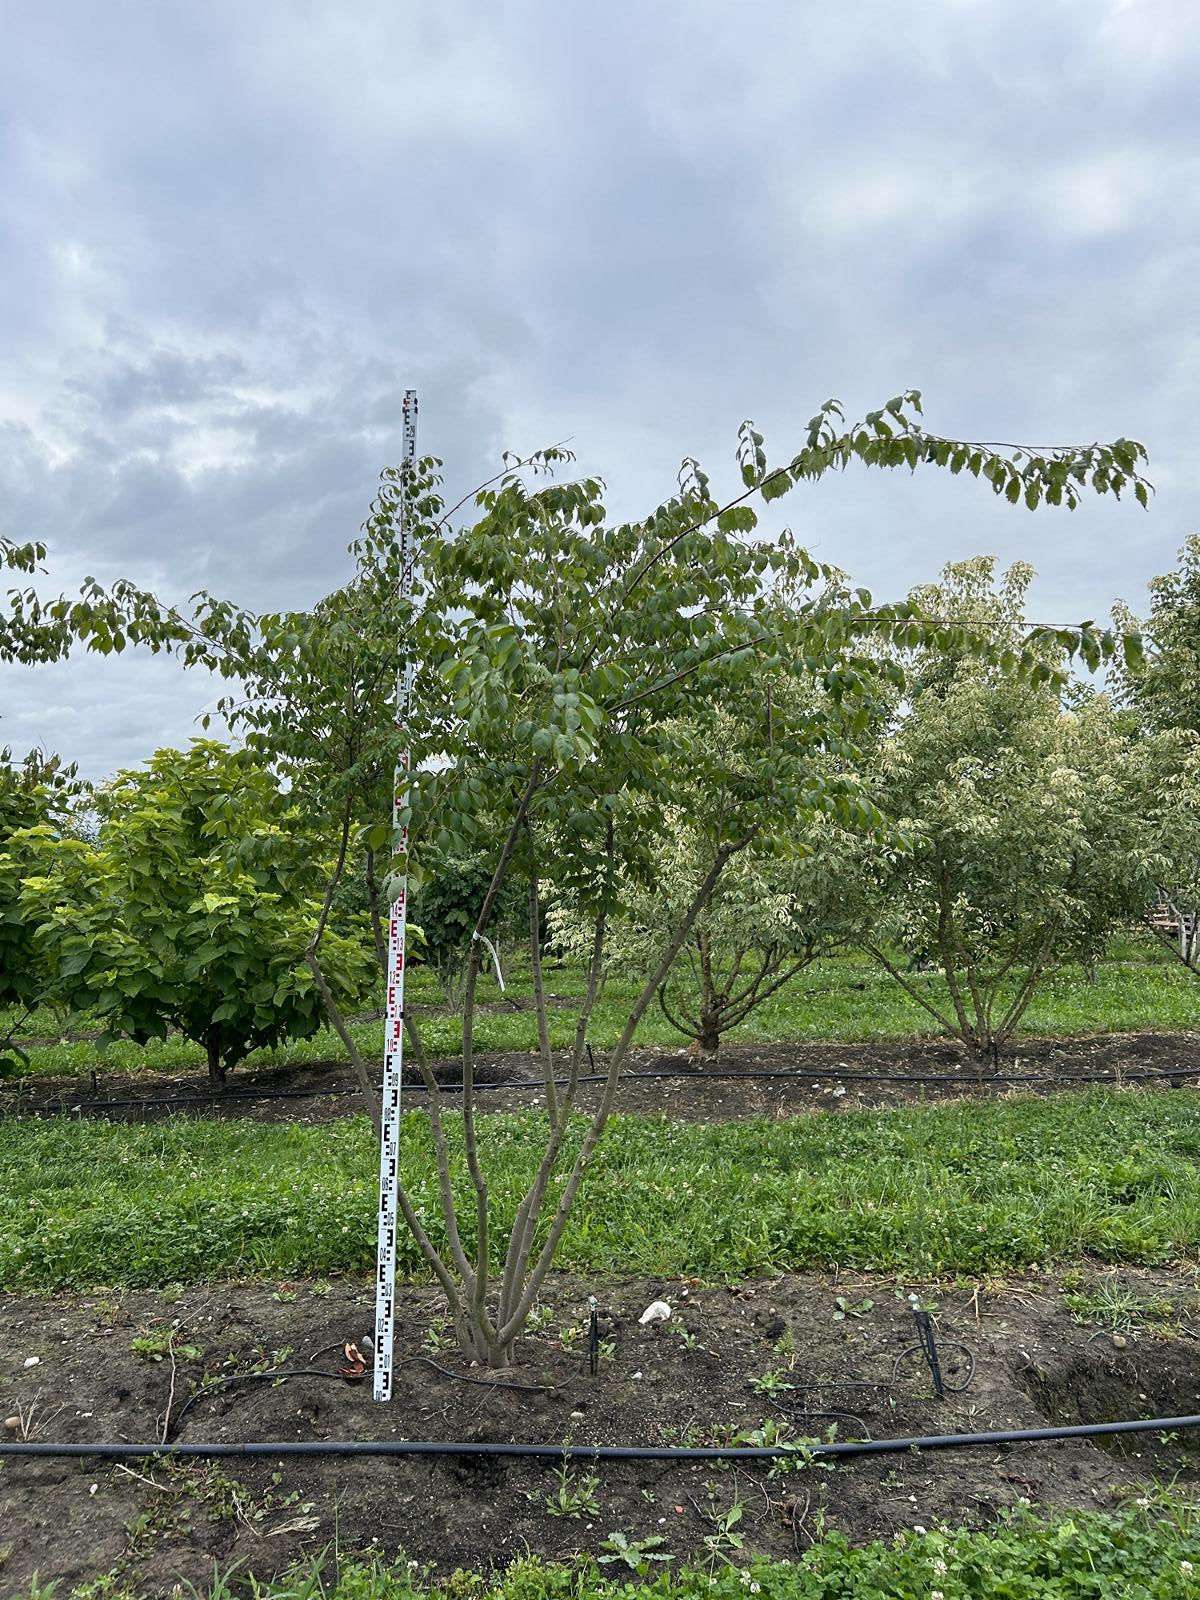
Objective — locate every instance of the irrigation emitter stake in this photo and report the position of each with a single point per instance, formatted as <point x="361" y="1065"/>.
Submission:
<point x="393" y="1037"/>
<point x="929" y="1349"/>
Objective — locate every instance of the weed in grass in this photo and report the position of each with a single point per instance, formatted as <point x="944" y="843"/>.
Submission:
<point x="574" y="1494"/>
<point x="635" y="1554"/>
<point x="259" y="1359"/>
<point x="41" y="1591"/>
<point x="1110" y="1304"/>
<point x="724" y="1538"/>
<point x="33" y="1418"/>
<point x="851" y="1308"/>
<point x="438" y="1337"/>
<point x="156" y="1343"/>
<point x="770" y="1383"/>
<point x="107" y="1587"/>
<point x="1151" y="1548"/>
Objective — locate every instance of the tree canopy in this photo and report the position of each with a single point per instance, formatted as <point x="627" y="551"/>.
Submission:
<point x="191" y="911"/>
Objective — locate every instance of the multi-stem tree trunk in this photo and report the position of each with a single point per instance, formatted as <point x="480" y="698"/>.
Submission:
<point x="488" y="1317"/>
<point x="216" y="1067"/>
<point x="730" y="985"/>
<point x="708" y="1037"/>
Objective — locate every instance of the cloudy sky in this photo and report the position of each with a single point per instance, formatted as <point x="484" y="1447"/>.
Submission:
<point x="231" y="234"/>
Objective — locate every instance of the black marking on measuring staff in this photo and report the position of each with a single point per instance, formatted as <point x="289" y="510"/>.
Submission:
<point x="393" y="1054"/>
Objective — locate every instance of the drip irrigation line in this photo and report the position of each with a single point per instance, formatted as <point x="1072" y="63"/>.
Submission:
<point x="955" y="1385"/>
<point x="279" y="1374"/>
<point x="1162" y="1075"/>
<point x="582" y="1452"/>
<point x="276" y="1374"/>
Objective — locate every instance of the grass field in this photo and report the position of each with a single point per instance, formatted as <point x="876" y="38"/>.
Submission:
<point x="954" y="1189"/>
<point x="1151" y="1551"/>
<point x="1140" y="986"/>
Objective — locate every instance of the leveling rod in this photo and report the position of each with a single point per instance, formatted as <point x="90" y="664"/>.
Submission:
<point x="393" y="1037"/>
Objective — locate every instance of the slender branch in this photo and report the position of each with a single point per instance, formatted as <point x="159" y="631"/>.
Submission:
<point x="539" y="994"/>
<point x="676" y="1023"/>
<point x="758" y="994"/>
<point x="739" y="956"/>
<point x="441" y="1157"/>
<point x="1036" y="971"/>
<point x="617" y="1061"/>
<point x="946" y="952"/>
<point x="521" y="1238"/>
<point x="912" y="992"/>
<point x="430" y="1251"/>
<point x="381" y="954"/>
<point x="1172" y="944"/>
<point x="511" y="466"/>
<point x="365" y="1086"/>
<point x="983" y="1007"/>
<point x="482" y="1222"/>
<point x="335" y="878"/>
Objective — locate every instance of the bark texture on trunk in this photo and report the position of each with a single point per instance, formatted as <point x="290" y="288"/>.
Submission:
<point x="216" y="1067"/>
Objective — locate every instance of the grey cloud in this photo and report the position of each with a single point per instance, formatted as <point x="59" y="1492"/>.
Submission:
<point x="231" y="236"/>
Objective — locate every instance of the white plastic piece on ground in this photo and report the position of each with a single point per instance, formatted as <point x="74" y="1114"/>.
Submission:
<point x="658" y="1311"/>
<point x="33" y="1361"/>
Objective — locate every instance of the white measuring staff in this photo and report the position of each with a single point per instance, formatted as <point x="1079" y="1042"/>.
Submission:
<point x="393" y="1038"/>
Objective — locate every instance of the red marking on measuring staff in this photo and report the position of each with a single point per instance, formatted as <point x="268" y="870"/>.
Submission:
<point x="393" y="1059"/>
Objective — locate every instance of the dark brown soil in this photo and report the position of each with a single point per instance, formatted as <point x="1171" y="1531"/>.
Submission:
<point x="689" y="1380"/>
<point x="807" y="1077"/>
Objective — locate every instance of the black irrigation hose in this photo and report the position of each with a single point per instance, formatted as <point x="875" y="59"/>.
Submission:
<point x="1167" y="1075"/>
<point x="278" y="1374"/>
<point x="281" y="1374"/>
<point x="599" y="1452"/>
<point x="956" y="1386"/>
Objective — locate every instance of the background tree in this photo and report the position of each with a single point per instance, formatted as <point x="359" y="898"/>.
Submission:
<point x="1028" y="838"/>
<point x="191" y="911"/>
<point x="445" y="906"/>
<point x="39" y="791"/>
<point x="1161" y="694"/>
<point x="1163" y="688"/>
<point x="775" y="909"/>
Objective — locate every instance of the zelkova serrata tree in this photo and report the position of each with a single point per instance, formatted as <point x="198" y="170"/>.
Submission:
<point x="588" y="668"/>
<point x="558" y="657"/>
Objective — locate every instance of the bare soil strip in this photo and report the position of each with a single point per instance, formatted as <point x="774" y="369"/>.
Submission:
<point x="729" y="1363"/>
<point x="814" y="1077"/>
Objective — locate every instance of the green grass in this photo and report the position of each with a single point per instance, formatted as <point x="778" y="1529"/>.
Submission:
<point x="1139" y="987"/>
<point x="1153" y="1553"/>
<point x="953" y="1189"/>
